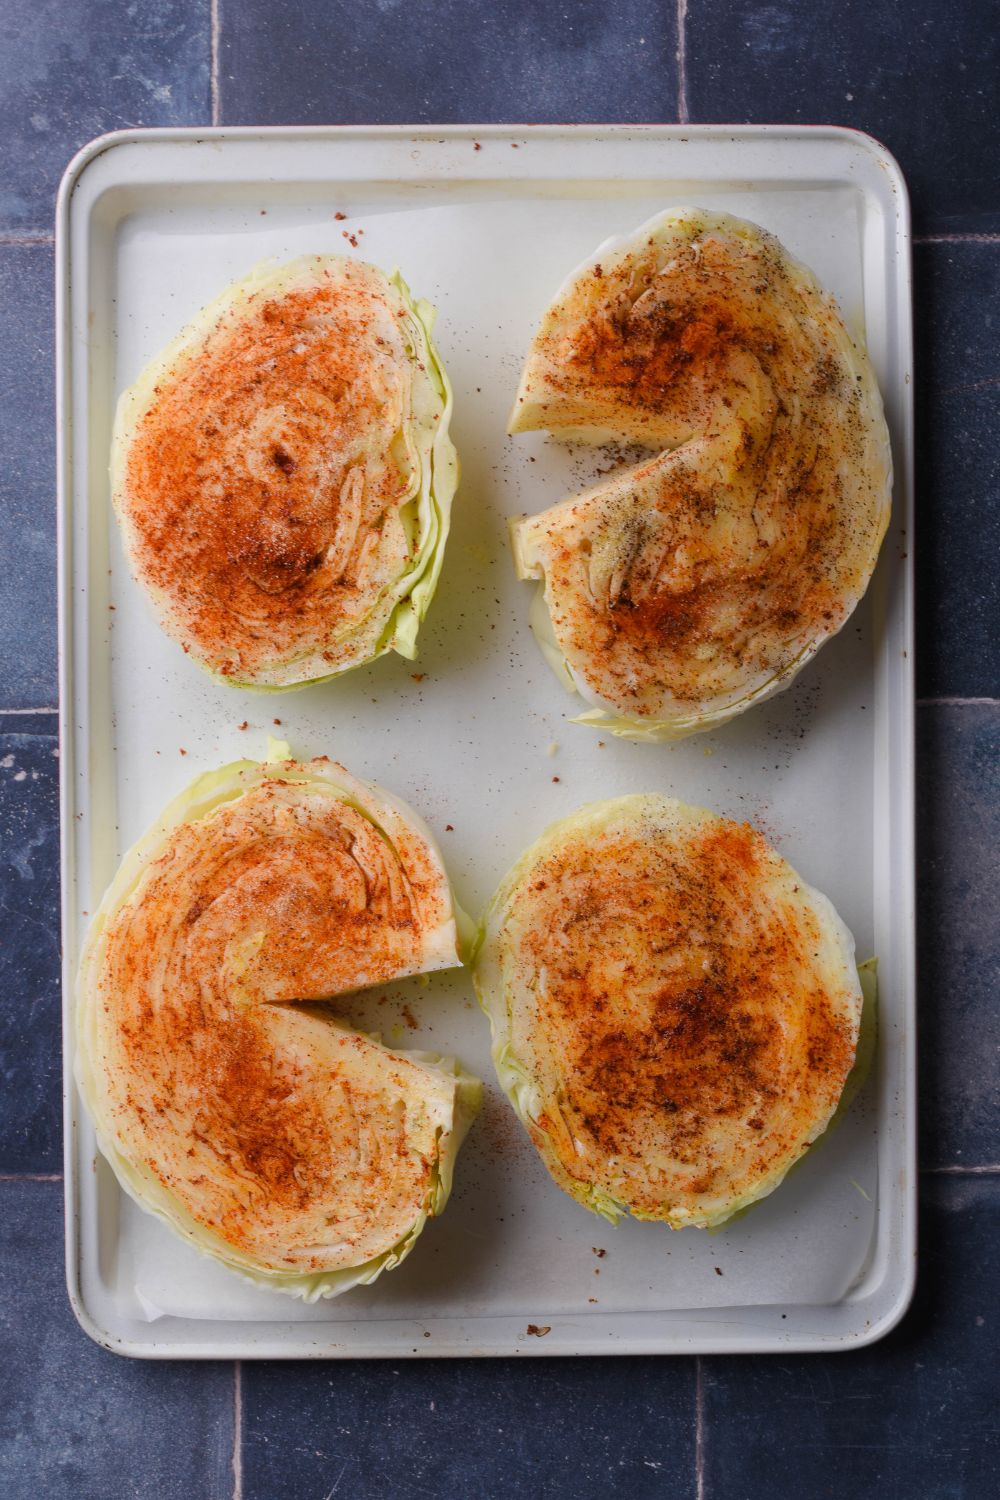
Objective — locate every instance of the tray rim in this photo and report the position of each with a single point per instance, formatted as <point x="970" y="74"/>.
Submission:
<point x="242" y="1344"/>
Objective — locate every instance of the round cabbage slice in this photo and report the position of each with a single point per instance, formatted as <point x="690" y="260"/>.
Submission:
<point x="674" y="1011"/>
<point x="681" y="590"/>
<point x="228" y="1099"/>
<point x="283" y="474"/>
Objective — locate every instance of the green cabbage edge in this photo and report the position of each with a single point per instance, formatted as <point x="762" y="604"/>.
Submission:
<point x="515" y="1079"/>
<point x="438" y="469"/>
<point x="692" y="221"/>
<point x="652" y="731"/>
<point x="208" y="792"/>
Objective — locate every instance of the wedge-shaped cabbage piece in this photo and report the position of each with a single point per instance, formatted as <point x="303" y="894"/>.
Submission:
<point x="283" y="474"/>
<point x="685" y="588"/>
<point x="229" y="1101"/>
<point x="674" y="1011"/>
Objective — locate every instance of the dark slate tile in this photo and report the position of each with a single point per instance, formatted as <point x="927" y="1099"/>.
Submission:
<point x="27" y="479"/>
<point x="334" y="62"/>
<point x="76" y="1421"/>
<point x="958" y="765"/>
<point x="915" y="74"/>
<point x="30" y="1088"/>
<point x="548" y="1429"/>
<point x="917" y="1415"/>
<point x="956" y="300"/>
<point x="73" y="69"/>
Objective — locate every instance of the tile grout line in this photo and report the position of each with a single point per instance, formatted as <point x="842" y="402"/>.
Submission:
<point x="213" y="11"/>
<point x="956" y="702"/>
<point x="41" y="238"/>
<point x="699" y="1431"/>
<point x="31" y="1177"/>
<point x="956" y="239"/>
<point x="972" y="385"/>
<point x="991" y="1169"/>
<point x="23" y="712"/>
<point x="682" y="101"/>
<point x="237" y="1429"/>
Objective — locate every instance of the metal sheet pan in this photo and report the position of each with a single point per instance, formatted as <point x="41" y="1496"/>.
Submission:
<point x="486" y="222"/>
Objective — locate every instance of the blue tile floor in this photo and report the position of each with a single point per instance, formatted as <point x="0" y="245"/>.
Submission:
<point x="957" y="292"/>
<point x="958" y="905"/>
<point x="443" y="60"/>
<point x="914" y="1418"/>
<point x="30" y="1064"/>
<point x="74" y="69"/>
<point x="584" y="1429"/>
<point x="27" y="478"/>
<point x="886" y="67"/>
<point x="76" y="1420"/>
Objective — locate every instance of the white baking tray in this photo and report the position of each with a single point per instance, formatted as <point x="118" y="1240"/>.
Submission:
<point x="486" y="223"/>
